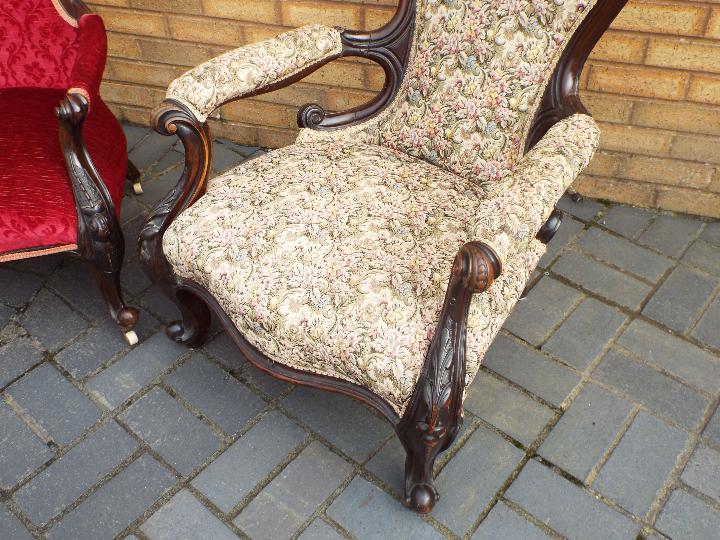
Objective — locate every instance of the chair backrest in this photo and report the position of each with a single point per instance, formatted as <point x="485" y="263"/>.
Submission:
<point x="38" y="44"/>
<point x="477" y="75"/>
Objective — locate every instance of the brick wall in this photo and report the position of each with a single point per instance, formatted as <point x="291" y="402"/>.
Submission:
<point x="653" y="83"/>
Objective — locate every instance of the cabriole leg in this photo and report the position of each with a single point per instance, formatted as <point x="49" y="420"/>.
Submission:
<point x="192" y="329"/>
<point x="133" y="174"/>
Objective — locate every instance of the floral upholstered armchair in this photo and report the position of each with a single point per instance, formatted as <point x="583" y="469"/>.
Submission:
<point x="63" y="161"/>
<point x="328" y="261"/>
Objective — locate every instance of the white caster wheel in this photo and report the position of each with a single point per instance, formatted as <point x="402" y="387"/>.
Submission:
<point x="131" y="337"/>
<point x="137" y="188"/>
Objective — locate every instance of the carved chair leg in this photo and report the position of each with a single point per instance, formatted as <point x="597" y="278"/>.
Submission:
<point x="133" y="174"/>
<point x="193" y="329"/>
<point x="434" y="416"/>
<point x="126" y="317"/>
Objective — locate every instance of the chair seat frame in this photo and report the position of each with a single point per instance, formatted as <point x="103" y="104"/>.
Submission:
<point x="434" y="415"/>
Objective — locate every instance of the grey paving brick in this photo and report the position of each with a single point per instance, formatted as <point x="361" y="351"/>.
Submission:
<point x="638" y="467"/>
<point x="73" y="474"/>
<point x="10" y="526"/>
<point x="216" y="393"/>
<point x="506" y="408"/>
<point x="585" y="431"/>
<point x="17" y="288"/>
<point x="369" y="513"/>
<point x="624" y="254"/>
<point x="133" y="279"/>
<point x="469" y="481"/>
<point x="712" y="430"/>
<point x="155" y="188"/>
<point x="680" y="299"/>
<point x="703" y="472"/>
<point x="51" y="321"/>
<point x="42" y="266"/>
<point x="651" y="388"/>
<point x="585" y="209"/>
<point x="675" y="355"/>
<point x="503" y="523"/>
<point x="153" y="148"/>
<point x="671" y="234"/>
<point x="389" y="465"/>
<point x="569" y="229"/>
<point x="171" y="160"/>
<point x="142" y="364"/>
<point x="224" y="157"/>
<point x="224" y="350"/>
<point x="158" y="303"/>
<point x="708" y="325"/>
<point x="76" y="284"/>
<point x="132" y="208"/>
<point x="711" y="233"/>
<point x="184" y="517"/>
<point x="342" y="421"/>
<point x="16" y="358"/>
<point x="119" y="502"/>
<point x="546" y="305"/>
<point x="238" y="470"/>
<point x="704" y="256"/>
<point x="685" y="516"/>
<point x="60" y="408"/>
<point x="530" y="369"/>
<point x="319" y="530"/>
<point x="566" y="508"/>
<point x="92" y="350"/>
<point x="6" y="313"/>
<point x="21" y="451"/>
<point x="585" y="334"/>
<point x="607" y="282"/>
<point x="134" y="134"/>
<point x="277" y="511"/>
<point x="171" y="430"/>
<point x="627" y="220"/>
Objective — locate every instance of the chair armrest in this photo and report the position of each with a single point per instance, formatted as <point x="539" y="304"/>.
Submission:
<point x="87" y="72"/>
<point x="247" y="70"/>
<point x="520" y="205"/>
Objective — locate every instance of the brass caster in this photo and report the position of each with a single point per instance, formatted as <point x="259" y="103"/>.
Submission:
<point x="131" y="337"/>
<point x="137" y="188"/>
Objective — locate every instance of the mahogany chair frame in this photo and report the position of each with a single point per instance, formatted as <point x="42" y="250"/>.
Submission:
<point x="100" y="239"/>
<point x="434" y="416"/>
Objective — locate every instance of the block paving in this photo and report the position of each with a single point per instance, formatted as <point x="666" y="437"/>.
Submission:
<point x="595" y="414"/>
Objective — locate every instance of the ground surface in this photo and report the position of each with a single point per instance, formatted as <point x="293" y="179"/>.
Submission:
<point x="594" y="416"/>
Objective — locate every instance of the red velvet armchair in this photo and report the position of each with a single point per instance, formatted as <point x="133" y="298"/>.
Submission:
<point x="63" y="161"/>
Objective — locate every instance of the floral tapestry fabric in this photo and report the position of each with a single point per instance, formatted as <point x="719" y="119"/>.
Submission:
<point x="37" y="46"/>
<point x="334" y="258"/>
<point x="255" y="66"/>
<point x="476" y="77"/>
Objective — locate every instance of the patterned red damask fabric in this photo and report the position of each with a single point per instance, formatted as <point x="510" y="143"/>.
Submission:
<point x="37" y="46"/>
<point x="37" y="207"/>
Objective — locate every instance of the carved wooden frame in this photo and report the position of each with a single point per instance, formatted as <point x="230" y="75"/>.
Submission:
<point x="99" y="240"/>
<point x="433" y="417"/>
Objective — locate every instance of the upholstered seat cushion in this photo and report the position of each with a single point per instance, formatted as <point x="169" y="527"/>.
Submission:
<point x="334" y="258"/>
<point x="37" y="207"/>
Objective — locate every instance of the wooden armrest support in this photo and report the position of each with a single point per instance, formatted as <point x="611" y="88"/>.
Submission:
<point x="434" y="415"/>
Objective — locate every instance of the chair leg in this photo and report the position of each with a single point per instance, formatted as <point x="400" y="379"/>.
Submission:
<point x="133" y="174"/>
<point x="192" y="330"/>
<point x="126" y="317"/>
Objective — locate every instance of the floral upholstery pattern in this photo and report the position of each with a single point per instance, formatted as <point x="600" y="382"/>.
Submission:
<point x="37" y="45"/>
<point x="249" y="68"/>
<point x="334" y="257"/>
<point x="476" y="77"/>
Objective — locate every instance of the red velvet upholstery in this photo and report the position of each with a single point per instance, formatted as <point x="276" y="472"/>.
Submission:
<point x="37" y="208"/>
<point x="90" y="62"/>
<point x="37" y="46"/>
